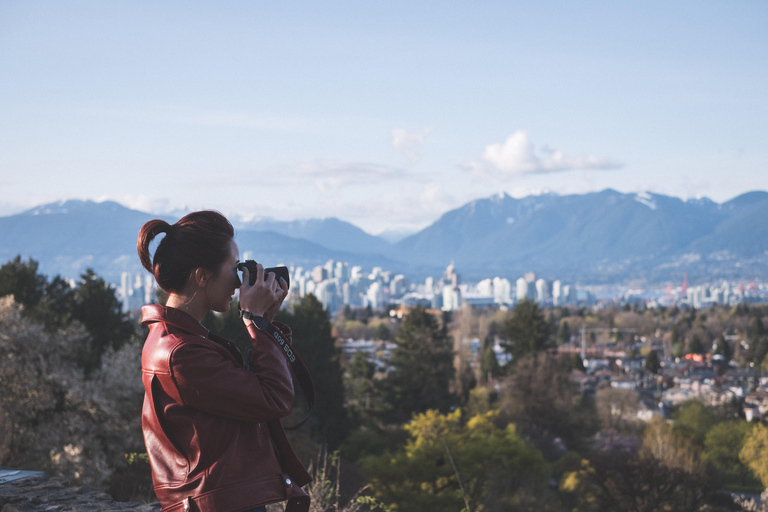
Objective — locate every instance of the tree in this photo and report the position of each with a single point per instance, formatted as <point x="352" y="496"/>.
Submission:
<point x="526" y="331"/>
<point x="490" y="364"/>
<point x="722" y="446"/>
<point x="577" y="363"/>
<point x="56" y="304"/>
<point x="451" y="465"/>
<point x="695" y="346"/>
<point x="723" y="348"/>
<point x="312" y="338"/>
<point x="362" y="397"/>
<point x="674" y="335"/>
<point x="563" y="333"/>
<point x="692" y="422"/>
<point x="617" y="407"/>
<point x="49" y="303"/>
<point x="652" y="362"/>
<point x="757" y="329"/>
<point x="662" y="443"/>
<point x="423" y="367"/>
<point x="758" y="342"/>
<point x="23" y="281"/>
<point x="616" y="480"/>
<point x="230" y="325"/>
<point x="539" y="397"/>
<point x="61" y="422"/>
<point x="754" y="454"/>
<point x="98" y="309"/>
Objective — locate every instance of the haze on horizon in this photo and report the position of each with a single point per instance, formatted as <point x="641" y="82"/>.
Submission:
<point x="383" y="115"/>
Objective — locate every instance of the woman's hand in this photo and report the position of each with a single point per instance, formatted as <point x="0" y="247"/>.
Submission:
<point x="265" y="297"/>
<point x="272" y="311"/>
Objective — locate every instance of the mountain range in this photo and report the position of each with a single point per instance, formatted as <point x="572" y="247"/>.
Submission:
<point x="599" y="237"/>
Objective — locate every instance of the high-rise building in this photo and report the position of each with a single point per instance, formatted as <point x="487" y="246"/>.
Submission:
<point x="521" y="288"/>
<point x="326" y="292"/>
<point x="542" y="290"/>
<point x="319" y="274"/>
<point x="341" y="271"/>
<point x="556" y="293"/>
<point x="502" y="290"/>
<point x="450" y="277"/>
<point x="485" y="287"/>
<point x="398" y="285"/>
<point x="149" y="289"/>
<point x="451" y="298"/>
<point x="375" y="295"/>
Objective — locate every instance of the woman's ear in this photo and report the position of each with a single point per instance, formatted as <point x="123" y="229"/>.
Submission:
<point x="201" y="277"/>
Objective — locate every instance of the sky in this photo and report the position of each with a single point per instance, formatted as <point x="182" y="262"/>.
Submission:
<point x="383" y="114"/>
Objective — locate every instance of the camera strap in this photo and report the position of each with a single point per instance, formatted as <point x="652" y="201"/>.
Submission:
<point x="298" y="368"/>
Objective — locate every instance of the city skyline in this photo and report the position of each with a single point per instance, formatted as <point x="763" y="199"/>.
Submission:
<point x="385" y="116"/>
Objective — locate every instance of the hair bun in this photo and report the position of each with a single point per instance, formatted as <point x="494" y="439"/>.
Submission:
<point x="148" y="233"/>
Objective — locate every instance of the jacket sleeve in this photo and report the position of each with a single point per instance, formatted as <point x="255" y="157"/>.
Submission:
<point x="213" y="383"/>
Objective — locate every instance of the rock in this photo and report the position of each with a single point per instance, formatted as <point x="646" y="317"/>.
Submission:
<point x="41" y="494"/>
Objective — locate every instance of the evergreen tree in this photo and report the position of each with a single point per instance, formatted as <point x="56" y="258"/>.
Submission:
<point x="563" y="333"/>
<point x="98" y="309"/>
<point x="56" y="307"/>
<point x="723" y="348"/>
<point x="695" y="346"/>
<point x="312" y="338"/>
<point x="230" y="325"/>
<point x="361" y="393"/>
<point x="674" y="336"/>
<point x="490" y="364"/>
<point x="526" y="331"/>
<point x="423" y="367"/>
<point x="757" y="329"/>
<point x="23" y="281"/>
<point x="56" y="304"/>
<point x="758" y="342"/>
<point x="652" y="362"/>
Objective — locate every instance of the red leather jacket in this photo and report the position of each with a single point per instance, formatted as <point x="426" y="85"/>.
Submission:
<point x="212" y="429"/>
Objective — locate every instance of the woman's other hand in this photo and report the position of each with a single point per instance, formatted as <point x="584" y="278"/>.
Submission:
<point x="265" y="296"/>
<point x="272" y="311"/>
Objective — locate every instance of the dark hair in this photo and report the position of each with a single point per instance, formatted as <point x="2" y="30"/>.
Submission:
<point x="198" y="240"/>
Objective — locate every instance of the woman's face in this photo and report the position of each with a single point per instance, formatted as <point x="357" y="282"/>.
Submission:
<point x="221" y="287"/>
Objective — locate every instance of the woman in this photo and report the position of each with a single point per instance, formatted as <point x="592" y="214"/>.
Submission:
<point x="211" y="427"/>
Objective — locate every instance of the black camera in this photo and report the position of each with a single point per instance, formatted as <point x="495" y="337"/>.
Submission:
<point x="252" y="268"/>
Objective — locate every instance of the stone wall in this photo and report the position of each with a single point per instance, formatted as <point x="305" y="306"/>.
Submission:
<point x="41" y="494"/>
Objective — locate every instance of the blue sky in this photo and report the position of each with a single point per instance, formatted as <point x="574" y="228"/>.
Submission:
<point x="384" y="114"/>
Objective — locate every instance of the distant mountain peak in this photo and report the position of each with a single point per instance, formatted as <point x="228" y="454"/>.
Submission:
<point x="499" y="197"/>
<point x="647" y="199"/>
<point x="68" y="206"/>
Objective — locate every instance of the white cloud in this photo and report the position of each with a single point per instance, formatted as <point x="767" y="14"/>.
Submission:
<point x="321" y="174"/>
<point x="143" y="203"/>
<point x="337" y="174"/>
<point x="410" y="210"/>
<point x="517" y="156"/>
<point x="408" y="143"/>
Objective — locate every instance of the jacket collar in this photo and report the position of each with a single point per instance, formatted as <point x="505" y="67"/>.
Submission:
<point x="155" y="313"/>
